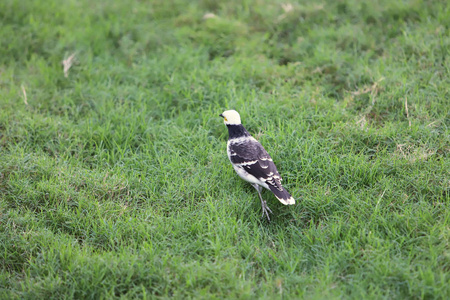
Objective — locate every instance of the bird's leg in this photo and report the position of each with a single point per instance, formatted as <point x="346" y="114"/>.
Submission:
<point x="265" y="208"/>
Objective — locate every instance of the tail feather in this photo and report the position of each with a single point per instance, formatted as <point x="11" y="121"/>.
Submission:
<point x="282" y="195"/>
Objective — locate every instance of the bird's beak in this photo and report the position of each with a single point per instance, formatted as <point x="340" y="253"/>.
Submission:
<point x="221" y="116"/>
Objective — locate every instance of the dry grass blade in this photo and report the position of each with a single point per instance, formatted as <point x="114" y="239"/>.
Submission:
<point x="287" y="7"/>
<point x="407" y="113"/>
<point x="373" y="90"/>
<point x="67" y="63"/>
<point x="25" y="99"/>
<point x="209" y="16"/>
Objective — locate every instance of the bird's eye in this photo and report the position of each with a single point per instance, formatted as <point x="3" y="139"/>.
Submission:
<point x="225" y="119"/>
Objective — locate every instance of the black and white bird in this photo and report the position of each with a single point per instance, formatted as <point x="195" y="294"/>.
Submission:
<point x="252" y="162"/>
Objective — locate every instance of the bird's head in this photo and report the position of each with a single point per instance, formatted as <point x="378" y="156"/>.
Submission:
<point x="231" y="117"/>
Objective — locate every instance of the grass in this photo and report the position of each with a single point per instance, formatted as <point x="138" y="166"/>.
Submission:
<point x="114" y="180"/>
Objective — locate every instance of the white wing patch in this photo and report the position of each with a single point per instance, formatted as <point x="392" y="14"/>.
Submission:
<point x="247" y="163"/>
<point x="266" y="159"/>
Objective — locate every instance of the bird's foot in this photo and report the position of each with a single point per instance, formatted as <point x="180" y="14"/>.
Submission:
<point x="265" y="209"/>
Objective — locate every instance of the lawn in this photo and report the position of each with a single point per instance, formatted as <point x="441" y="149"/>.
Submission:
<point x="114" y="178"/>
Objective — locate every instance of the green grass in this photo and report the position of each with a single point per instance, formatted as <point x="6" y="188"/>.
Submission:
<point x="114" y="181"/>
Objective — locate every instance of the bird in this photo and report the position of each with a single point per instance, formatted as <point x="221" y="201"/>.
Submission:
<point x="252" y="162"/>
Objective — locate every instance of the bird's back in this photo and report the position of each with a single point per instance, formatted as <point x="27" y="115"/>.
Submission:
<point x="247" y="153"/>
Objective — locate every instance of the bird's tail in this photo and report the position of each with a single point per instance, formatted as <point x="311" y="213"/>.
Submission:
<point x="282" y="195"/>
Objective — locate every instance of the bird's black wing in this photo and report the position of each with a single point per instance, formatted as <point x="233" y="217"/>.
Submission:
<point x="252" y="156"/>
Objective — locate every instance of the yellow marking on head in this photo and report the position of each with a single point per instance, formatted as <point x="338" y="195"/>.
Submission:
<point x="231" y="117"/>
